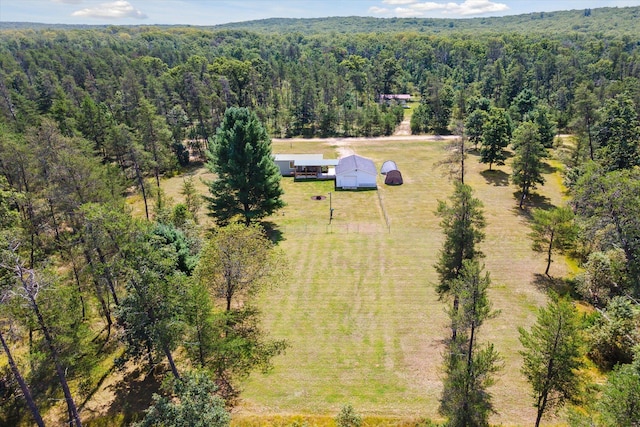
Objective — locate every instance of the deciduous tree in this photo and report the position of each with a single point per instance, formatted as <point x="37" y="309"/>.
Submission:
<point x="496" y="135"/>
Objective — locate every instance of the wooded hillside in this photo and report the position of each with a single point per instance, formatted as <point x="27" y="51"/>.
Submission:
<point x="94" y="118"/>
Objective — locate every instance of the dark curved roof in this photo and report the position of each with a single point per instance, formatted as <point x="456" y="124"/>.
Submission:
<point x="393" y="177"/>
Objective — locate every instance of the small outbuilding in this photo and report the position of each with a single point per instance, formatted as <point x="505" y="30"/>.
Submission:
<point x="355" y="172"/>
<point x="393" y="177"/>
<point x="387" y="166"/>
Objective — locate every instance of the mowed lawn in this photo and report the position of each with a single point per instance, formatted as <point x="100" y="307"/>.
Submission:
<point x="359" y="308"/>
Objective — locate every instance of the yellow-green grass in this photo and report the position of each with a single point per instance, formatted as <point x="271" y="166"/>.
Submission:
<point x="359" y="310"/>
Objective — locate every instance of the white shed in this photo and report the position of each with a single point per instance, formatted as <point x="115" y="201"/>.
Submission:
<point x="388" y="166"/>
<point x="354" y="172"/>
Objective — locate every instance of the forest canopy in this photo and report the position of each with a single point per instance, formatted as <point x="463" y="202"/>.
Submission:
<point x="92" y="115"/>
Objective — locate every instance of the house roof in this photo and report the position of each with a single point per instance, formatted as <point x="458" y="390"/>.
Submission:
<point x="356" y="163"/>
<point x="401" y="96"/>
<point x="316" y="162"/>
<point x="294" y="157"/>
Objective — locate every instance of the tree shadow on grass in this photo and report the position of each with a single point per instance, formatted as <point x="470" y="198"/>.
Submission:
<point x="548" y="169"/>
<point x="134" y="394"/>
<point x="556" y="285"/>
<point x="533" y="201"/>
<point x="272" y="231"/>
<point x="497" y="178"/>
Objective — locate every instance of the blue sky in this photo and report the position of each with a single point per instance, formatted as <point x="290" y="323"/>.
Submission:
<point x="212" y="12"/>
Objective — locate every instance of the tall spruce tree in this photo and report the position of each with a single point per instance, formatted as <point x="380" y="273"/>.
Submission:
<point x="247" y="184"/>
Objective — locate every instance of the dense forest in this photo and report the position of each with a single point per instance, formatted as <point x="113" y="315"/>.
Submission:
<point x="89" y="116"/>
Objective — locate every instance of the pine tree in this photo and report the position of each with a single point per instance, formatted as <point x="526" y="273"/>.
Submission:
<point x="552" y="356"/>
<point x="527" y="164"/>
<point x="461" y="223"/>
<point x="248" y="181"/>
<point x="469" y="367"/>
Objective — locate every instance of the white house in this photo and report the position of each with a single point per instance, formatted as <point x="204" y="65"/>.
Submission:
<point x="287" y="162"/>
<point x="306" y="166"/>
<point x="354" y="172"/>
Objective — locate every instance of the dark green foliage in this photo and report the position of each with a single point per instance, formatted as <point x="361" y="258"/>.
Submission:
<point x="190" y="401"/>
<point x="152" y="312"/>
<point x="609" y="203"/>
<point x="462" y="224"/>
<point x="348" y="417"/>
<point x="469" y="367"/>
<point x="552" y="356"/>
<point x="618" y="135"/>
<point x="474" y="126"/>
<point x="619" y="404"/>
<point x="524" y="103"/>
<point x="186" y="257"/>
<point x="614" y="333"/>
<point x="496" y="135"/>
<point x="527" y="163"/>
<point x="247" y="186"/>
<point x="546" y="128"/>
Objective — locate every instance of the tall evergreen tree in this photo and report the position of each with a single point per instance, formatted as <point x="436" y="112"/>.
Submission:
<point x="462" y="224"/>
<point x="247" y="184"/>
<point x="618" y="135"/>
<point x="469" y="368"/>
<point x="527" y="164"/>
<point x="552" y="355"/>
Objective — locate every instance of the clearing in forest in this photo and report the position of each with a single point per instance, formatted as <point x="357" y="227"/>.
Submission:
<point x="359" y="309"/>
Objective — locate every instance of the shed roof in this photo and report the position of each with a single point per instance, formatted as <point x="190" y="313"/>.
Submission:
<point x="393" y="177"/>
<point x="357" y="163"/>
<point x="387" y="166"/>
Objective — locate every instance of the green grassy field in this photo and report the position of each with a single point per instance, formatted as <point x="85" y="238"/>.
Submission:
<point x="359" y="308"/>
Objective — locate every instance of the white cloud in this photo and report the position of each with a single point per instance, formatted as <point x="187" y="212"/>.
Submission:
<point x="67" y="1"/>
<point x="404" y="12"/>
<point x="115" y="10"/>
<point x="378" y="10"/>
<point x="394" y="2"/>
<point x="465" y="8"/>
